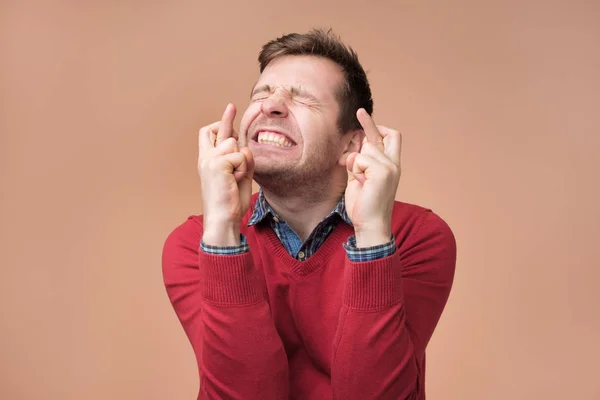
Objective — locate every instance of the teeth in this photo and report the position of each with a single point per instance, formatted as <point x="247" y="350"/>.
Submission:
<point x="274" y="139"/>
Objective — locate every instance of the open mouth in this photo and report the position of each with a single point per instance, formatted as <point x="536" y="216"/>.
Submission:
<point x="273" y="138"/>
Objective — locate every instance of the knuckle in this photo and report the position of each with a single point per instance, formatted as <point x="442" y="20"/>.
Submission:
<point x="209" y="164"/>
<point x="213" y="164"/>
<point x="390" y="169"/>
<point x="203" y="164"/>
<point x="207" y="128"/>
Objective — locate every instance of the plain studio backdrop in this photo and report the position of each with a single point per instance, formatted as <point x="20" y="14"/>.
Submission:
<point x="100" y="105"/>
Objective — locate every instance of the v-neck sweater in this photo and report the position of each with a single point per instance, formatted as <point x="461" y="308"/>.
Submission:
<point x="264" y="325"/>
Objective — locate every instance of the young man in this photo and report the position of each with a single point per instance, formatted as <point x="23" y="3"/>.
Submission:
<point x="320" y="286"/>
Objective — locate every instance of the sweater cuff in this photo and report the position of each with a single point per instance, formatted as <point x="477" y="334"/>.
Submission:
<point x="229" y="279"/>
<point x="373" y="285"/>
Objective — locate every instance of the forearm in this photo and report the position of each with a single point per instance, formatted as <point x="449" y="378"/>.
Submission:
<point x="242" y="356"/>
<point x="374" y="356"/>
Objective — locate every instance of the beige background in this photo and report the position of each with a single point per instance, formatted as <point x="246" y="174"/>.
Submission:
<point x="100" y="106"/>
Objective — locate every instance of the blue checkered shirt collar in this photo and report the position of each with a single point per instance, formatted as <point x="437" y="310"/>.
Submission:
<point x="262" y="210"/>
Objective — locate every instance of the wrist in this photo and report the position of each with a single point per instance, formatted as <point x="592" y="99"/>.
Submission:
<point x="221" y="233"/>
<point x="372" y="236"/>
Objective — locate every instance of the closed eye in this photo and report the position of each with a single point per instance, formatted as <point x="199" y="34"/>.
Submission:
<point x="260" y="96"/>
<point x="260" y="93"/>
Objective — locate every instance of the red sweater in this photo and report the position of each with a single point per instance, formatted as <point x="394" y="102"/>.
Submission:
<point x="264" y="325"/>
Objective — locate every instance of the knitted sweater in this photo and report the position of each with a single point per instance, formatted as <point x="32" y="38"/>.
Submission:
<point x="264" y="325"/>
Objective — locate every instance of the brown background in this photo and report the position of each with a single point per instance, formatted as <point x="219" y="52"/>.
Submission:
<point x="100" y="106"/>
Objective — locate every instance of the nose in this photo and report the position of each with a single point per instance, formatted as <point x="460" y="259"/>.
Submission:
<point x="274" y="107"/>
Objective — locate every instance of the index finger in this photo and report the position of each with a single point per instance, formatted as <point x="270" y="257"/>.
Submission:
<point x="371" y="132"/>
<point x="226" y="126"/>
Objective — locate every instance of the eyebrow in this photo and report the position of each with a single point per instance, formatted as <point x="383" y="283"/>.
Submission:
<point x="259" y="89"/>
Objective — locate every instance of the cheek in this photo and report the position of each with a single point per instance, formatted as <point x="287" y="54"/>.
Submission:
<point x="319" y="131"/>
<point x="311" y="125"/>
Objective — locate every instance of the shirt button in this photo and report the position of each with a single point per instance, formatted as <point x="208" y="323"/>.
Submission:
<point x="301" y="255"/>
<point x="275" y="219"/>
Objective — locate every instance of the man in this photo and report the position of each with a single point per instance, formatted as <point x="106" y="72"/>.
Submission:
<point x="320" y="286"/>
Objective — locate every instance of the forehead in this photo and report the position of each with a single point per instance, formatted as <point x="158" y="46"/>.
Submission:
<point x="318" y="75"/>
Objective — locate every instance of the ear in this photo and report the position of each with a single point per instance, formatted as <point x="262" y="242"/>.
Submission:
<point x="352" y="143"/>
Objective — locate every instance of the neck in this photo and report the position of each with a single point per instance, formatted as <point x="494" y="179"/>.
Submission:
<point x="304" y="208"/>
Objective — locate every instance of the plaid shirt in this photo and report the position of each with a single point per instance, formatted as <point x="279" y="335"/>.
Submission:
<point x="294" y="245"/>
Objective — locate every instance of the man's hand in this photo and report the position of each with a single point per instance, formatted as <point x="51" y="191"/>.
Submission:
<point x="373" y="177"/>
<point x="226" y="177"/>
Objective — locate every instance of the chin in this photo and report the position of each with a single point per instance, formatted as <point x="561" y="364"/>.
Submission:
<point x="267" y="166"/>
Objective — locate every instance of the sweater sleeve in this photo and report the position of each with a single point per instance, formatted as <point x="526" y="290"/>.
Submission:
<point x="390" y="309"/>
<point x="221" y="303"/>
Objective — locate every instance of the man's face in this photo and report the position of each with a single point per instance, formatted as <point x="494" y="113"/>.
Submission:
<point x="291" y="123"/>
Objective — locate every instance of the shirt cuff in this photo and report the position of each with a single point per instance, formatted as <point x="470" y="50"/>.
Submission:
<point x="226" y="250"/>
<point x="364" y="254"/>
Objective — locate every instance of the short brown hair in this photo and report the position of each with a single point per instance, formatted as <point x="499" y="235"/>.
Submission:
<point x="354" y="94"/>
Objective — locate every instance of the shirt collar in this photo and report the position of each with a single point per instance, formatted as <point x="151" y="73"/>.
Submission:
<point x="262" y="210"/>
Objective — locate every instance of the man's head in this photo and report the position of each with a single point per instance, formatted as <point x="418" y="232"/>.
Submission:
<point x="301" y="121"/>
<point x="353" y="93"/>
